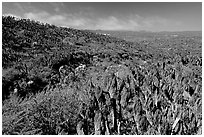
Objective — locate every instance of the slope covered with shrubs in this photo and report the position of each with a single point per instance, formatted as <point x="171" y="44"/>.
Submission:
<point x="70" y="81"/>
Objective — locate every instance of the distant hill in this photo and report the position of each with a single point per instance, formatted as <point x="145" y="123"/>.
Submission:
<point x="137" y="36"/>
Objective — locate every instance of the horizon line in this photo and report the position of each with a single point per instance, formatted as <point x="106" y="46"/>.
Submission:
<point x="18" y="17"/>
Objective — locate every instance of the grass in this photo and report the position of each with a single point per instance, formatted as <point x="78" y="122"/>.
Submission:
<point x="48" y="112"/>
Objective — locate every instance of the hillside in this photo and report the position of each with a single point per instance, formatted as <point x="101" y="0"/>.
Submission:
<point x="58" y="80"/>
<point x="137" y="36"/>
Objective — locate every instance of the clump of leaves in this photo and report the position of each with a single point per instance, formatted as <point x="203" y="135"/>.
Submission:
<point x="48" y="113"/>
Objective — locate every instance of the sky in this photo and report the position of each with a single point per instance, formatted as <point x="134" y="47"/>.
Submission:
<point x="131" y="16"/>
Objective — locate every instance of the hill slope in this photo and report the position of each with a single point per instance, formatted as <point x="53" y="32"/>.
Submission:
<point x="66" y="81"/>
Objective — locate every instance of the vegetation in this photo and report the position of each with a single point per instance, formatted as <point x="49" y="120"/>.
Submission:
<point x="63" y="81"/>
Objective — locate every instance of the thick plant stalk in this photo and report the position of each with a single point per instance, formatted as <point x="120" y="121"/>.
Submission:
<point x="80" y="128"/>
<point x="118" y="124"/>
<point x="136" y="117"/>
<point x="136" y="129"/>
<point x="175" y="123"/>
<point x="119" y="115"/>
<point x="113" y="113"/>
<point x="103" y="126"/>
<point x="97" y="123"/>
<point x="112" y="88"/>
<point x="107" y="127"/>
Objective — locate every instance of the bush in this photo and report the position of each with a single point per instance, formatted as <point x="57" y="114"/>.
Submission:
<point x="50" y="112"/>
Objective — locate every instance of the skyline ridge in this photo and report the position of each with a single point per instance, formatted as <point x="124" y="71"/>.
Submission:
<point x="136" y="16"/>
<point x="106" y="30"/>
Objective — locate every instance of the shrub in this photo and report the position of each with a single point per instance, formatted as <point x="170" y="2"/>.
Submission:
<point x="49" y="112"/>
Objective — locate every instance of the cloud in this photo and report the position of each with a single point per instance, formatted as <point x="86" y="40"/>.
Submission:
<point x="117" y="23"/>
<point x="58" y="6"/>
<point x="84" y="17"/>
<point x="89" y="21"/>
<point x="23" y="7"/>
<point x="68" y="20"/>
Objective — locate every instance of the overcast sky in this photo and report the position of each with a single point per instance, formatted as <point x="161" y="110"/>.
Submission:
<point x="113" y="16"/>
